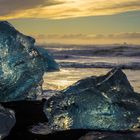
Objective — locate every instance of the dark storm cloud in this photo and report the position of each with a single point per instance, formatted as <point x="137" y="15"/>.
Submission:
<point x="10" y="6"/>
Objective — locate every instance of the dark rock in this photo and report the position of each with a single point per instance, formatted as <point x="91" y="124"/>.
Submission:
<point x="100" y="103"/>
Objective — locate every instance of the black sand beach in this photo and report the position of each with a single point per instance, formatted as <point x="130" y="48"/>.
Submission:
<point x="29" y="113"/>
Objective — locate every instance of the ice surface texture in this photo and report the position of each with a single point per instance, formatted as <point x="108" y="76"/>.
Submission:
<point x="7" y="121"/>
<point x="22" y="65"/>
<point x="49" y="62"/>
<point x="103" y="103"/>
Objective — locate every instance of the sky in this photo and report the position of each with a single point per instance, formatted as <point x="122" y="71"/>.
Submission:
<point x="75" y="21"/>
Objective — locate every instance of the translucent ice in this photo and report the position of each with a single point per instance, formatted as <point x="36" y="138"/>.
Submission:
<point x="7" y="121"/>
<point x="22" y="65"/>
<point x="103" y="103"/>
<point x="49" y="62"/>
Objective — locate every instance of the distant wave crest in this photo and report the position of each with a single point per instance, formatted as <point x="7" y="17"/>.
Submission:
<point x="134" y="65"/>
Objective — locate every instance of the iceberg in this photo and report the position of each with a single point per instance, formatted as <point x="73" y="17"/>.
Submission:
<point x="106" y="102"/>
<point x="7" y="121"/>
<point x="114" y="85"/>
<point x="22" y="65"/>
<point x="49" y="62"/>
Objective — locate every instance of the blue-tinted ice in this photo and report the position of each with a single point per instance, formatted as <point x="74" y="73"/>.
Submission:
<point x="22" y="65"/>
<point x="7" y="121"/>
<point x="49" y="62"/>
<point x="103" y="103"/>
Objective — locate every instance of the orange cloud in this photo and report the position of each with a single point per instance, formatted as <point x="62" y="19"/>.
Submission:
<point x="58" y="9"/>
<point x="130" y="37"/>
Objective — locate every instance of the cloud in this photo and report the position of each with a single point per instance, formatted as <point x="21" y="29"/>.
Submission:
<point x="7" y="7"/>
<point x="130" y="37"/>
<point x="59" y="9"/>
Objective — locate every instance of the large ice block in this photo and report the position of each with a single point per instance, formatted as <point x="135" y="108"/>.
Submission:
<point x="101" y="103"/>
<point x="22" y="65"/>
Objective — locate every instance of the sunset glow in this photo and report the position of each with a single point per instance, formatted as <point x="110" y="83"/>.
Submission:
<point x="58" y="9"/>
<point x="65" y="21"/>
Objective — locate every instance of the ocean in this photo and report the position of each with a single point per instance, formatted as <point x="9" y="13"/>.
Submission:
<point x="80" y="61"/>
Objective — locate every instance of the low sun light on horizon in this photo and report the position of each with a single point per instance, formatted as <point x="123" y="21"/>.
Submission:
<point x="75" y="21"/>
